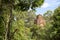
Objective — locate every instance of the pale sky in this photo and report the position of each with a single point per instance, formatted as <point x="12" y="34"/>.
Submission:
<point x="48" y="5"/>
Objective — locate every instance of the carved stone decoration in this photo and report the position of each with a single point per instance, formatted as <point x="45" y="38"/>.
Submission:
<point x="40" y="20"/>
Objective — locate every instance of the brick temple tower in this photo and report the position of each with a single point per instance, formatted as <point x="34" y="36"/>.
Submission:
<point x="40" y="20"/>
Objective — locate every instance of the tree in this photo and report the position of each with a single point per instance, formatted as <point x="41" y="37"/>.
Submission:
<point x="9" y="5"/>
<point x="56" y="23"/>
<point x="53" y="25"/>
<point x="48" y="15"/>
<point x="22" y="25"/>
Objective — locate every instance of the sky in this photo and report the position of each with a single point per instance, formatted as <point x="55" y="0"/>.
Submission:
<point x="47" y="5"/>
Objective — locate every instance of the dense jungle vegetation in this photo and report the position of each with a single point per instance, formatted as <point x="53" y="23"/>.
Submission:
<point x="17" y="21"/>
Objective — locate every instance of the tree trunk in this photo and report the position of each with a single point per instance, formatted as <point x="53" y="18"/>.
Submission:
<point x="8" y="25"/>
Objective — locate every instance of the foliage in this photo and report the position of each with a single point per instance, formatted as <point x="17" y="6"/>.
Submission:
<point x="17" y="21"/>
<point x="56" y="25"/>
<point x="26" y="4"/>
<point x="2" y="26"/>
<point x="20" y="24"/>
<point x="6" y="9"/>
<point x="53" y="24"/>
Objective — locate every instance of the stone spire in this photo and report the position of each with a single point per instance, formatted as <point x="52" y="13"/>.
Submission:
<point x="40" y="20"/>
